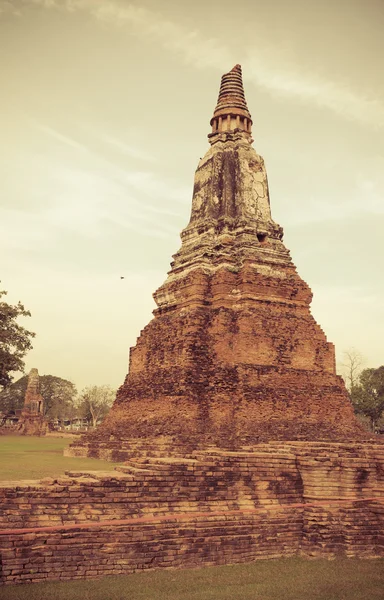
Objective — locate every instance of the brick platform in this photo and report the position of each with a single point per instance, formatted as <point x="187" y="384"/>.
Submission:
<point x="216" y="507"/>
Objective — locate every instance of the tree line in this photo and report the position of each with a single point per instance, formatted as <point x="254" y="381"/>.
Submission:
<point x="61" y="400"/>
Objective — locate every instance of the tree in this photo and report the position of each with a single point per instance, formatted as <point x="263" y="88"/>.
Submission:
<point x="12" y="397"/>
<point x="368" y="394"/>
<point x="351" y="367"/>
<point x="58" y="394"/>
<point x="59" y="397"/>
<point x="15" y="340"/>
<point x="95" y="402"/>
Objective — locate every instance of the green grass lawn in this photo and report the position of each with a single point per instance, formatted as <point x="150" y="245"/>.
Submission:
<point x="282" y="579"/>
<point x="25" y="457"/>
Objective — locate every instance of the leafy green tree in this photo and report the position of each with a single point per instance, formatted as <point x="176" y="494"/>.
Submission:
<point x="15" y="340"/>
<point x="59" y="396"/>
<point x="12" y="397"/>
<point x="95" y="402"/>
<point x="367" y="394"/>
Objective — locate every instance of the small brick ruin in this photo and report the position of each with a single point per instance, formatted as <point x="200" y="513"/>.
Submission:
<point x="32" y="421"/>
<point x="238" y="439"/>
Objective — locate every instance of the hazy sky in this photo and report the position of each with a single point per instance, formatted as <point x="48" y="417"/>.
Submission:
<point x="105" y="108"/>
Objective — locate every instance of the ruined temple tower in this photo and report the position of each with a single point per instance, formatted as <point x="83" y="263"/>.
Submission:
<point x="32" y="420"/>
<point x="233" y="355"/>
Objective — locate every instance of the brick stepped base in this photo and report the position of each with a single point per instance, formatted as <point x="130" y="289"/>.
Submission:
<point x="210" y="508"/>
<point x="121" y="450"/>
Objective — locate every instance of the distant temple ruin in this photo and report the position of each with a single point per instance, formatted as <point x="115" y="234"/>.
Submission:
<point x="233" y="355"/>
<point x="32" y="421"/>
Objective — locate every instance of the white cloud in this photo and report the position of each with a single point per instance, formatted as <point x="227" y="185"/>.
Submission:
<point x="319" y="208"/>
<point x="84" y="203"/>
<point x="142" y="181"/>
<point x="63" y="139"/>
<point x="9" y="7"/>
<point x="128" y="150"/>
<point x="309" y="87"/>
<point x="82" y="193"/>
<point x="260" y="69"/>
<point x="371" y="196"/>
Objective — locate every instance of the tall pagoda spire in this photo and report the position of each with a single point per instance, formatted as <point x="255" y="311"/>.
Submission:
<point x="233" y="354"/>
<point x="231" y="111"/>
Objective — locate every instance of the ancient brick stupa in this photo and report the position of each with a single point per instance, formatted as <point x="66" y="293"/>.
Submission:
<point x="233" y="355"/>
<point x="32" y="420"/>
<point x="232" y="423"/>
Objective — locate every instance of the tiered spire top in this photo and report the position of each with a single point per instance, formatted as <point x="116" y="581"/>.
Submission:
<point x="231" y="111"/>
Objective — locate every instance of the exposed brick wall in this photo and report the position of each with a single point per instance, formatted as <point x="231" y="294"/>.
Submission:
<point x="348" y="529"/>
<point x="236" y="375"/>
<point x="215" y="508"/>
<point x="124" y="548"/>
<point x="160" y="486"/>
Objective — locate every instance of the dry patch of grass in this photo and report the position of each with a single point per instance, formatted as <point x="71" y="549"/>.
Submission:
<point x="24" y="457"/>
<point x="280" y="579"/>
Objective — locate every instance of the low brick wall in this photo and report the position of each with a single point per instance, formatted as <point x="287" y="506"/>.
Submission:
<point x="158" y="487"/>
<point x="214" y="508"/>
<point x="185" y="541"/>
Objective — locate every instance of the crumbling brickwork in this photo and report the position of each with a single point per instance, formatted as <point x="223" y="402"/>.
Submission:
<point x="215" y="507"/>
<point x="233" y="355"/>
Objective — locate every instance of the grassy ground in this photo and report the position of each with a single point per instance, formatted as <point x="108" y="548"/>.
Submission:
<point x="282" y="579"/>
<point x="25" y="457"/>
